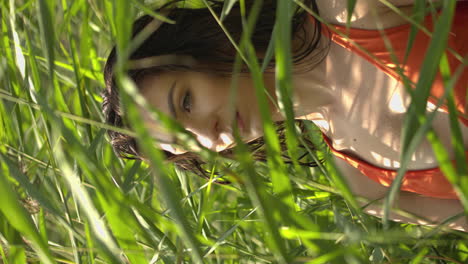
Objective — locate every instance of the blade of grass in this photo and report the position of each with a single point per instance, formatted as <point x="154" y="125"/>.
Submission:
<point x="275" y="163"/>
<point x="150" y="12"/>
<point x="227" y="8"/>
<point x="419" y="12"/>
<point x="19" y="218"/>
<point x="101" y="232"/>
<point x="262" y="200"/>
<point x="156" y="160"/>
<point x="351" y="4"/>
<point x="458" y="179"/>
<point x="419" y="134"/>
<point x="68" y="115"/>
<point x="281" y="184"/>
<point x="283" y="74"/>
<point x="417" y="109"/>
<point x="223" y="236"/>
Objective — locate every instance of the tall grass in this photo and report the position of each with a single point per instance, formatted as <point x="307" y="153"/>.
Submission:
<point x="66" y="198"/>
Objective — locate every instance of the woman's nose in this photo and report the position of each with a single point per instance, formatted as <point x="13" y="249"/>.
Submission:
<point x="207" y="131"/>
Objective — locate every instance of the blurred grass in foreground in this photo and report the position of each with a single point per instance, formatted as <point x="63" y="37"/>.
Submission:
<point x="66" y="198"/>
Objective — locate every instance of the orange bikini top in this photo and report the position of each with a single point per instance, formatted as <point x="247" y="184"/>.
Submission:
<point x="371" y="46"/>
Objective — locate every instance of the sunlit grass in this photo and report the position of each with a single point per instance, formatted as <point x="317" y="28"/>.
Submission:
<point x="65" y="197"/>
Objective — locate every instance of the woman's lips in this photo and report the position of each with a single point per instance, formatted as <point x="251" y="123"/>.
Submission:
<point x="240" y="122"/>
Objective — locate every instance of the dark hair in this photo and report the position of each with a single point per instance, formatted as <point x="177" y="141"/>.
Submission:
<point x="197" y="35"/>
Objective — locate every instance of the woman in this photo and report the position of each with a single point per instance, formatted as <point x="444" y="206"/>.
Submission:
<point x="350" y="89"/>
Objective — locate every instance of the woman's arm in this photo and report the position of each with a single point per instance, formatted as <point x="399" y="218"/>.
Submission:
<point x="431" y="211"/>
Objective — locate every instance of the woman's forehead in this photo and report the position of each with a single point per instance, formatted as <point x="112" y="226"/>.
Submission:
<point x="156" y="88"/>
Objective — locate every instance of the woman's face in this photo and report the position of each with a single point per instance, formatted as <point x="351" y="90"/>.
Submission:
<point x="201" y="102"/>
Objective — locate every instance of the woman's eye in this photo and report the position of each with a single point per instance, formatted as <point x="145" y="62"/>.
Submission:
<point x="187" y="102"/>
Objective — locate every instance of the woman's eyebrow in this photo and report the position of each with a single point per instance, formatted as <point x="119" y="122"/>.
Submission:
<point x="170" y="101"/>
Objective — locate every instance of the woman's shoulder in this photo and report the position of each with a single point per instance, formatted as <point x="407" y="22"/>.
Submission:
<point x="368" y="14"/>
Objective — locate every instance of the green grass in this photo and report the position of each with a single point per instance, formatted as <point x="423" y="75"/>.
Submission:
<point x="66" y="198"/>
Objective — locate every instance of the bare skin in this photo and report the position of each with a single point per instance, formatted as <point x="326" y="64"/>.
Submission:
<point x="354" y="103"/>
<point x="366" y="118"/>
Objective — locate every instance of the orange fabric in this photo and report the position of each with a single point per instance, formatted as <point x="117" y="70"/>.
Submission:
<point x="377" y="53"/>
<point x="430" y="182"/>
